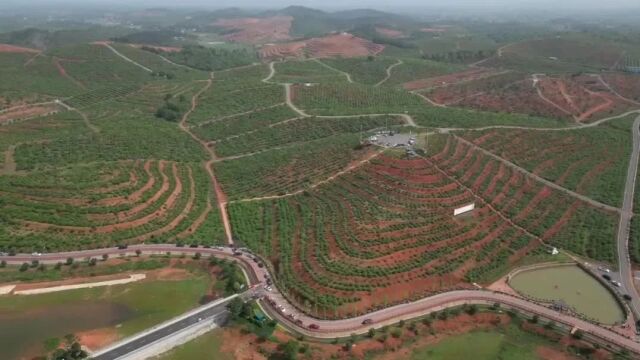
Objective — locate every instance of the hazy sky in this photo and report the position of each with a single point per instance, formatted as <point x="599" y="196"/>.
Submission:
<point x="382" y="4"/>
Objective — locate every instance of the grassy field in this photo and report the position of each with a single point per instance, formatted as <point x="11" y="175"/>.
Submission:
<point x="510" y="344"/>
<point x="205" y="347"/>
<point x="591" y="161"/>
<point x="27" y="321"/>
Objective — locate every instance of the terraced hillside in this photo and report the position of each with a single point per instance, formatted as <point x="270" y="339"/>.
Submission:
<point x="103" y="204"/>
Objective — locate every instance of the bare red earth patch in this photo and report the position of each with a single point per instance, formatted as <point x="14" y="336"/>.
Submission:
<point x="342" y="45"/>
<point x="6" y="48"/>
<point x="257" y="30"/>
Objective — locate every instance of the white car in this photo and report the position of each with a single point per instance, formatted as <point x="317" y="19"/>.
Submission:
<point x="268" y="288"/>
<point x="616" y="283"/>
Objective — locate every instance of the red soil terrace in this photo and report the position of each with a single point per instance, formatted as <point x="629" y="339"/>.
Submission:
<point x="390" y="33"/>
<point x="257" y="30"/>
<point x="6" y="48"/>
<point x="343" y="45"/>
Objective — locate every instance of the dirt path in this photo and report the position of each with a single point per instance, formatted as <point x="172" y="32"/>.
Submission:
<point x="45" y="290"/>
<point x="220" y="195"/>
<point x="336" y="70"/>
<point x="32" y="59"/>
<point x="428" y="100"/>
<point x="84" y="116"/>
<point x="287" y="88"/>
<point x="9" y="166"/>
<point x="237" y="114"/>
<point x="272" y="73"/>
<point x="63" y="72"/>
<point x="613" y="91"/>
<point x="125" y="58"/>
<point x="535" y="79"/>
<point x="17" y="107"/>
<point x="540" y="179"/>
<point x="389" y="69"/>
<point x="315" y="185"/>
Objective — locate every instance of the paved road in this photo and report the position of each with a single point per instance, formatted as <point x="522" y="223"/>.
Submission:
<point x="624" y="260"/>
<point x="345" y="327"/>
<point x="216" y="313"/>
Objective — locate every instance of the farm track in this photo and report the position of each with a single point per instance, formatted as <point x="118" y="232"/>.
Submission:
<point x="236" y="115"/>
<point x="32" y="59"/>
<point x="84" y="116"/>
<point x="389" y="69"/>
<point x="220" y="196"/>
<point x="348" y="169"/>
<point x="272" y="73"/>
<point x="13" y="108"/>
<point x="425" y="98"/>
<point x="348" y="76"/>
<point x="63" y="72"/>
<point x="9" y="166"/>
<point x="538" y="178"/>
<point x="613" y="91"/>
<point x="126" y="58"/>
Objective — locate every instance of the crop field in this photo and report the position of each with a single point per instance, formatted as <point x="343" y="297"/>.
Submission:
<point x="347" y="99"/>
<point x="414" y="69"/>
<point x="308" y="71"/>
<point x="449" y="79"/>
<point x="356" y="244"/>
<point x="300" y="130"/>
<point x="96" y="66"/>
<point x="624" y="84"/>
<point x="590" y="161"/>
<point x="553" y="216"/>
<point x="363" y="70"/>
<point x="290" y="169"/>
<point x="576" y="98"/>
<point x="333" y="45"/>
<point x="118" y="136"/>
<point x="578" y="49"/>
<point x="234" y="126"/>
<point x="467" y="118"/>
<point x="218" y="101"/>
<point x="103" y="204"/>
<point x="37" y="81"/>
<point x="157" y="64"/>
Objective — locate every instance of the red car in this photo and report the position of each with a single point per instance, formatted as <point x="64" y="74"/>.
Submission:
<point x="314" y="326"/>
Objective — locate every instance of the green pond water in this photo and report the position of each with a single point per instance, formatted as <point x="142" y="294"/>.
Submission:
<point x="573" y="286"/>
<point x="23" y="332"/>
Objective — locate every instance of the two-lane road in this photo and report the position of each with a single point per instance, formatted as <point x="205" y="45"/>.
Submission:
<point x="217" y="313"/>
<point x="335" y="328"/>
<point x="624" y="227"/>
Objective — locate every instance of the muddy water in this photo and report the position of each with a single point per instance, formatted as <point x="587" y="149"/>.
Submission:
<point x="22" y="333"/>
<point x="573" y="286"/>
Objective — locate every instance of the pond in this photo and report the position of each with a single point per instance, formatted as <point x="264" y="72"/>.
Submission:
<point x="572" y="285"/>
<point x="23" y="332"/>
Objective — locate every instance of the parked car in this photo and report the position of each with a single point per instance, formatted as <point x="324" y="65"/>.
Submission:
<point x="314" y="326"/>
<point x="367" y="321"/>
<point x="606" y="277"/>
<point x="616" y="283"/>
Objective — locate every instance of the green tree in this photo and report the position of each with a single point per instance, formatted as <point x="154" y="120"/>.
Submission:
<point x="290" y="350"/>
<point x="69" y="261"/>
<point x="235" y="307"/>
<point x="24" y="267"/>
<point x="371" y="333"/>
<point x="197" y="256"/>
<point x="3" y="264"/>
<point x="105" y="257"/>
